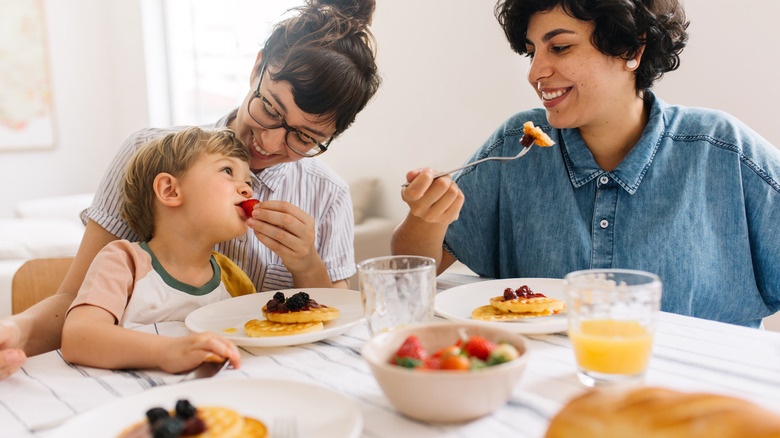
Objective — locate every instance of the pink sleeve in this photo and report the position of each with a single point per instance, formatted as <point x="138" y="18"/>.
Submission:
<point x="111" y="277"/>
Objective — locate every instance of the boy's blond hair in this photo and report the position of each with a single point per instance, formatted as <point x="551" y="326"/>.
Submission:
<point x="172" y="153"/>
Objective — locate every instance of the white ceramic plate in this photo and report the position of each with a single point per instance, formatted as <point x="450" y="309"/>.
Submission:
<point x="233" y="313"/>
<point x="319" y="411"/>
<point x="457" y="303"/>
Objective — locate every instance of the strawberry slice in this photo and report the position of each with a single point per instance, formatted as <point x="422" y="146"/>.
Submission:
<point x="478" y="347"/>
<point x="412" y="348"/>
<point x="248" y="205"/>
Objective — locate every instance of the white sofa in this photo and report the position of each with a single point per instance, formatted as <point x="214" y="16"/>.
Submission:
<point x="51" y="227"/>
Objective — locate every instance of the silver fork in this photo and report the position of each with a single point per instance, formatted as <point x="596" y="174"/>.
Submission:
<point x="204" y="370"/>
<point x="284" y="427"/>
<point x="474" y="163"/>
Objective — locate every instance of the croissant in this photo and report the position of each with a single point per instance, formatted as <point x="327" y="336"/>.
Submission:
<point x="661" y="413"/>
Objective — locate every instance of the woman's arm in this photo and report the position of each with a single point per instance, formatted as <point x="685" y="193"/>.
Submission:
<point x="40" y="326"/>
<point x="433" y="205"/>
<point x="289" y="232"/>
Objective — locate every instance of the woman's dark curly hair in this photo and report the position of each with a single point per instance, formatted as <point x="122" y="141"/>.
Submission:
<point x="326" y="52"/>
<point x="621" y="28"/>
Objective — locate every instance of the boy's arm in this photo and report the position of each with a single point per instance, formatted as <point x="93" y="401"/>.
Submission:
<point x="91" y="338"/>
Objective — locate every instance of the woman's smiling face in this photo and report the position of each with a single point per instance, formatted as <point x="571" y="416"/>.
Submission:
<point x="578" y="85"/>
<point x="267" y="147"/>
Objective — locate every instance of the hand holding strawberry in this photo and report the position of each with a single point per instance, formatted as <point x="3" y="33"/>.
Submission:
<point x="248" y="206"/>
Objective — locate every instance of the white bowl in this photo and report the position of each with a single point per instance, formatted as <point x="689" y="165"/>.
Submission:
<point x="444" y="396"/>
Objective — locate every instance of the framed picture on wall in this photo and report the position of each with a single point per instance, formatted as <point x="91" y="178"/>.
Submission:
<point x="26" y="117"/>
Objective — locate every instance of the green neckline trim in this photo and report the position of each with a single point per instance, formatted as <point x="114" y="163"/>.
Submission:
<point x="184" y="287"/>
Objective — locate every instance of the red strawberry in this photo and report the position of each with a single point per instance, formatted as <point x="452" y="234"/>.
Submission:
<point x="412" y="348"/>
<point x="248" y="205"/>
<point x="431" y="363"/>
<point x="478" y="347"/>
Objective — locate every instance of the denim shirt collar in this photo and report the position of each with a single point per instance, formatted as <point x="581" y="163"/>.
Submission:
<point x="582" y="168"/>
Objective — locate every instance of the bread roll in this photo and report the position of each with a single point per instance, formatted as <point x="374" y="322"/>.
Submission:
<point x="661" y="413"/>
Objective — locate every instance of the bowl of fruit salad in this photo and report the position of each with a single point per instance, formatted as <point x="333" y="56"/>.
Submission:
<point x="445" y="372"/>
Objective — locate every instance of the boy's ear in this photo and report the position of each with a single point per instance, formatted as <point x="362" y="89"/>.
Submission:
<point x="166" y="189"/>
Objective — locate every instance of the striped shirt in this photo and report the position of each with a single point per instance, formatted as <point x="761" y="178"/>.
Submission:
<point x="308" y="184"/>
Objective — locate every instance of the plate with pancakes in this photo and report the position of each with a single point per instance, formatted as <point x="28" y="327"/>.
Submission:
<point x="246" y="320"/>
<point x="318" y="411"/>
<point x="484" y="303"/>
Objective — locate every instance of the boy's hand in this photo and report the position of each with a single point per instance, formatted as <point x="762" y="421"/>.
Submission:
<point x="186" y="352"/>
<point x="11" y="358"/>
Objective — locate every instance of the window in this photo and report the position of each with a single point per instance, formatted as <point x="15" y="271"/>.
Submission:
<point x="200" y="54"/>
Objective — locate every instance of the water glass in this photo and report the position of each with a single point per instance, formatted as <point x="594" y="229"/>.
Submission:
<point x="612" y="315"/>
<point x="397" y="291"/>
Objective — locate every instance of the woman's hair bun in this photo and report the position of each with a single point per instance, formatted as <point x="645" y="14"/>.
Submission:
<point x="360" y="10"/>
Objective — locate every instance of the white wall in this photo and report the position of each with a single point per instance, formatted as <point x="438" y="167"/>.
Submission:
<point x="98" y="93"/>
<point x="449" y="80"/>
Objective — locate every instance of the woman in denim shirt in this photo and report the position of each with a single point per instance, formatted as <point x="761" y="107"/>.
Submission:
<point x="632" y="182"/>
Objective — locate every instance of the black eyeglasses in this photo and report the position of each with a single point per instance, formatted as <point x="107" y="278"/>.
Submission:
<point x="268" y="117"/>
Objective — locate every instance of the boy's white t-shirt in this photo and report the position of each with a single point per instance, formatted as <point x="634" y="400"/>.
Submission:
<point x="126" y="280"/>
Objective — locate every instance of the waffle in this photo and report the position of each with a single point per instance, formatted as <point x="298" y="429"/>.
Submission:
<point x="528" y="305"/>
<point x="540" y="137"/>
<point x="220" y="423"/>
<point x="490" y="313"/>
<point x="253" y="428"/>
<point x="311" y="314"/>
<point x="257" y="328"/>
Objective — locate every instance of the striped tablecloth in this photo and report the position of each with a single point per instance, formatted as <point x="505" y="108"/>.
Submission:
<point x="689" y="354"/>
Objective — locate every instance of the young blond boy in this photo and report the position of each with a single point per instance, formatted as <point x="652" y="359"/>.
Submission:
<point x="181" y="196"/>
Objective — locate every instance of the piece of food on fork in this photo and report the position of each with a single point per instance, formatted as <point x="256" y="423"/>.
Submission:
<point x="534" y="134"/>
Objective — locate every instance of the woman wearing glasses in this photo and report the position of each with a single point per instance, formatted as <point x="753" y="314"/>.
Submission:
<point x="690" y="194"/>
<point x="315" y="72"/>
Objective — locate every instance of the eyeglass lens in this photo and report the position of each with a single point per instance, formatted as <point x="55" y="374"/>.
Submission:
<point x="268" y="117"/>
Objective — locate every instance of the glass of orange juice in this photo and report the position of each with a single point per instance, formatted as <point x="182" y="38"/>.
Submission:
<point x="612" y="314"/>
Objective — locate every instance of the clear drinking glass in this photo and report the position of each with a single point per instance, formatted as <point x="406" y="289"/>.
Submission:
<point x="612" y="315"/>
<point x="397" y="291"/>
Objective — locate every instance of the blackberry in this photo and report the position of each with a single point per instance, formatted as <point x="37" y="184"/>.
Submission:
<point x="155" y="414"/>
<point x="297" y="301"/>
<point x="193" y="426"/>
<point x="527" y="140"/>
<point x="184" y="409"/>
<point x="170" y="427"/>
<point x="276" y="303"/>
<point x="509" y="294"/>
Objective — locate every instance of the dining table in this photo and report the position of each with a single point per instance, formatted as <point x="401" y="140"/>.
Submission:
<point x="689" y="354"/>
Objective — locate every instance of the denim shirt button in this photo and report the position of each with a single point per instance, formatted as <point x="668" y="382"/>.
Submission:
<point x="604" y="223"/>
<point x="604" y="179"/>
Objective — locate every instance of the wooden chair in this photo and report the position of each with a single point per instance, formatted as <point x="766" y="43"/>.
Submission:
<point x="37" y="279"/>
